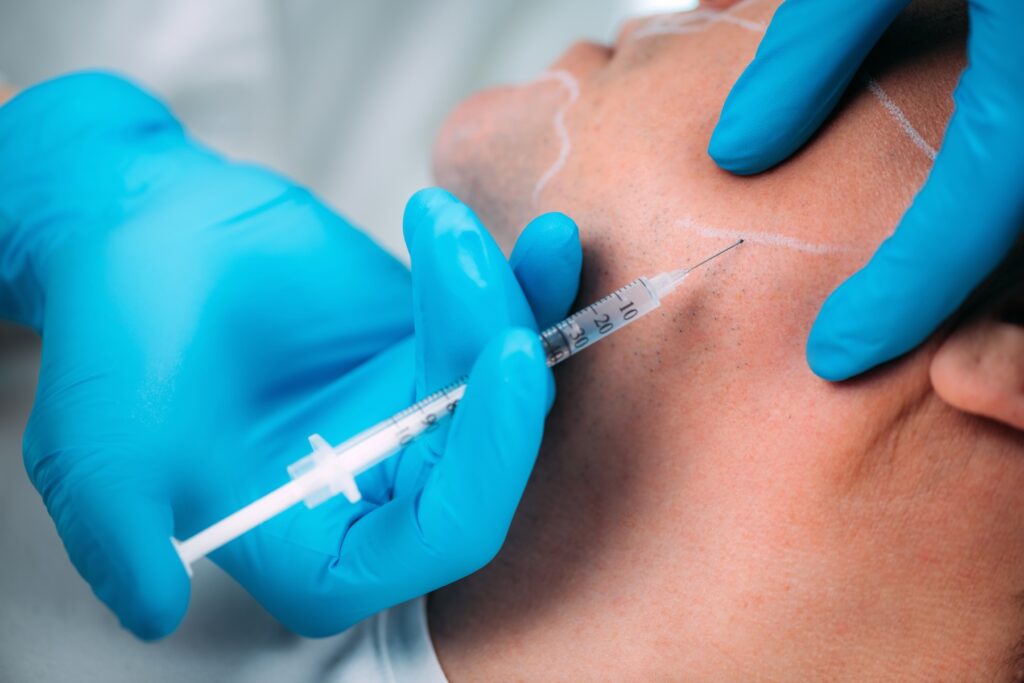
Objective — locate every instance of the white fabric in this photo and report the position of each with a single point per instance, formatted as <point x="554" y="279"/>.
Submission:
<point x="392" y="647"/>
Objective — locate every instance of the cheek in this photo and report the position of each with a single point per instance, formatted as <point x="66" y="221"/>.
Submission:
<point x="496" y="146"/>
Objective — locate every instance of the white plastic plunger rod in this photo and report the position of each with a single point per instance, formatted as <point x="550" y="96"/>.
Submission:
<point x="245" y="519"/>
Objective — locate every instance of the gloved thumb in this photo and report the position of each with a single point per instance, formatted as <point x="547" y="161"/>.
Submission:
<point x="117" y="536"/>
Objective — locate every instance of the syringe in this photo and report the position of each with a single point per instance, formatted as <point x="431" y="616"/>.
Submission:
<point x="330" y="470"/>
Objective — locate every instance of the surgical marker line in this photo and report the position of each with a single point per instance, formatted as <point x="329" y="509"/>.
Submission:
<point x="694" y="21"/>
<point x="565" y="143"/>
<point x="764" y="238"/>
<point x="901" y="118"/>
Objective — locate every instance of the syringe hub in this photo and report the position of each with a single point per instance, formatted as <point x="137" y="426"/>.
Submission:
<point x="665" y="283"/>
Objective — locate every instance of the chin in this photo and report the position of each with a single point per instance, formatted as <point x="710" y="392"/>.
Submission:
<point x="462" y="134"/>
<point x="490" y="151"/>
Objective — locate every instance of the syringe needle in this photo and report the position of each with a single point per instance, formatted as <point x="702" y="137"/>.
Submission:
<point x="714" y="256"/>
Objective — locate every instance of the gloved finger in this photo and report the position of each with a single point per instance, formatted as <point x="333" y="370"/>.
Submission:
<point x="117" y="536"/>
<point x="807" y="58"/>
<point x="962" y="223"/>
<point x="494" y="440"/>
<point x="547" y="260"/>
<point x="458" y="521"/>
<point x="463" y="288"/>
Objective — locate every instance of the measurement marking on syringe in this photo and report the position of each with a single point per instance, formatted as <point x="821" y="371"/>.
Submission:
<point x="558" y="329"/>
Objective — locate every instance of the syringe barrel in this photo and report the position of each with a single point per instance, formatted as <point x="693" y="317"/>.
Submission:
<point x="400" y="430"/>
<point x="598" y="320"/>
<point x="239" y="522"/>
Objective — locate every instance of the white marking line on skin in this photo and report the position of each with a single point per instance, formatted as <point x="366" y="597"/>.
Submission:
<point x="897" y="114"/>
<point x="767" y="239"/>
<point x="693" y="21"/>
<point x="572" y="87"/>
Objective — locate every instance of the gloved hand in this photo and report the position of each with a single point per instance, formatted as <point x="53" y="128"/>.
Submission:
<point x="200" y="318"/>
<point x="440" y="509"/>
<point x="963" y="221"/>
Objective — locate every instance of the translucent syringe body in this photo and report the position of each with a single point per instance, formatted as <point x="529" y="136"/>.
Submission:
<point x="328" y="471"/>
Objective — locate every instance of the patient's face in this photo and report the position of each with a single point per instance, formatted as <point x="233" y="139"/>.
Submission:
<point x="704" y="507"/>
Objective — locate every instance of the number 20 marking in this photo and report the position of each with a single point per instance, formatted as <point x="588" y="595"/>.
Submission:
<point x="604" y="323"/>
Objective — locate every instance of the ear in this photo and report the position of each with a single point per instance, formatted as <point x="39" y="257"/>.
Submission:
<point x="980" y="368"/>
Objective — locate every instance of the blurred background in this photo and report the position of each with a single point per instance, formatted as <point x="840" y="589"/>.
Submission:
<point x="343" y="96"/>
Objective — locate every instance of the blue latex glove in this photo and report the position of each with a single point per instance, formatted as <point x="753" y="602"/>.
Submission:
<point x="199" y="318"/>
<point x="440" y="509"/>
<point x="964" y="220"/>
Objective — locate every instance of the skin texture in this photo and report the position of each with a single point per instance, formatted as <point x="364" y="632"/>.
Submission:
<point x="5" y="93"/>
<point x="704" y="508"/>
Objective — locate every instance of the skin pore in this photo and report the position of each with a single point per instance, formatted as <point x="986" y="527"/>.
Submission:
<point x="704" y="508"/>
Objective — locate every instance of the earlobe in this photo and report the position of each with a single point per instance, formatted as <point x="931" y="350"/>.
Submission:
<point x="979" y="369"/>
